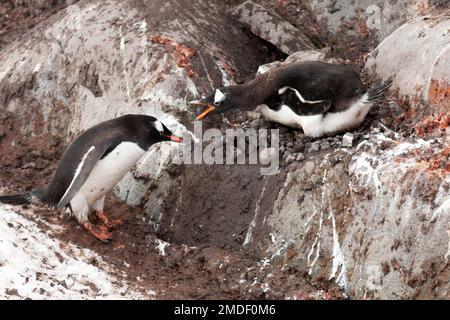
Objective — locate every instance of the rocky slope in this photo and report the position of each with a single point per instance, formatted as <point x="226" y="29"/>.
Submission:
<point x="368" y="211"/>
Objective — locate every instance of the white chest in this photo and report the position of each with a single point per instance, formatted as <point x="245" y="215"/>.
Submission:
<point x="333" y="122"/>
<point x="110" y="170"/>
<point x="284" y="115"/>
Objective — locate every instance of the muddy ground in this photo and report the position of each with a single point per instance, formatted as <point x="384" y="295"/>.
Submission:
<point x="181" y="271"/>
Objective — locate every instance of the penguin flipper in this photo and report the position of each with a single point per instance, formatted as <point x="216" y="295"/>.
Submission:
<point x="311" y="109"/>
<point x="302" y="106"/>
<point x="88" y="162"/>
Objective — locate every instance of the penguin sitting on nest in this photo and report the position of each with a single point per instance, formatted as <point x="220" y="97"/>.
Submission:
<point x="322" y="99"/>
<point x="93" y="164"/>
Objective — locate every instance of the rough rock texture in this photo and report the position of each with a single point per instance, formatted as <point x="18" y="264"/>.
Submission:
<point x="271" y="27"/>
<point x="422" y="68"/>
<point x="96" y="60"/>
<point x="372" y="217"/>
<point x="299" y="56"/>
<point x="380" y="17"/>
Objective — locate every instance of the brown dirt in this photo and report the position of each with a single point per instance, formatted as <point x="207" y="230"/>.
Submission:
<point x="18" y="16"/>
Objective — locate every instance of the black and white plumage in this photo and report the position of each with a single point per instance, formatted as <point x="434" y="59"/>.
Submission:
<point x="320" y="98"/>
<point x="94" y="163"/>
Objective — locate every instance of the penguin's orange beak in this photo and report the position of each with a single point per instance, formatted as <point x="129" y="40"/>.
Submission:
<point x="174" y="138"/>
<point x="204" y="113"/>
<point x="209" y="108"/>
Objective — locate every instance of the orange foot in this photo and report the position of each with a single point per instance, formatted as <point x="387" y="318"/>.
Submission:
<point x="100" y="232"/>
<point x="104" y="218"/>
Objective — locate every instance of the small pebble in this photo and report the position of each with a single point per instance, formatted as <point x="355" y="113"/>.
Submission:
<point x="300" y="157"/>
<point x="299" y="147"/>
<point x="347" y="139"/>
<point x="290" y="158"/>
<point x="324" y="145"/>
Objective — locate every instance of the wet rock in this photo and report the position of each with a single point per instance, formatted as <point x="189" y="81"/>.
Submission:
<point x="271" y="27"/>
<point x="347" y="140"/>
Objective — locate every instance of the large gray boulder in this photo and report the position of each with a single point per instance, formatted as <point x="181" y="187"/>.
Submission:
<point x="378" y="17"/>
<point x="419" y="54"/>
<point x="271" y="27"/>
<point x="374" y="219"/>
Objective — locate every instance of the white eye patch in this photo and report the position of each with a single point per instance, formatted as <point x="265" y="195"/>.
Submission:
<point x="159" y="126"/>
<point x="219" y="96"/>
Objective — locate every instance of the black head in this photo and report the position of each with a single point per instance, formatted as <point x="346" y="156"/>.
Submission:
<point x="222" y="100"/>
<point x="150" y="129"/>
<point x="159" y="131"/>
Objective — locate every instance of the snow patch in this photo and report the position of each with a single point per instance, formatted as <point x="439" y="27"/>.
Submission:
<point x="35" y="265"/>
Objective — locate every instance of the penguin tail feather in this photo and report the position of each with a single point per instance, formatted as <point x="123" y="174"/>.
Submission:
<point x="378" y="91"/>
<point x="15" y="199"/>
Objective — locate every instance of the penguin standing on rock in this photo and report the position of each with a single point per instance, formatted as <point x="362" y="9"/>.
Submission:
<point x="320" y="98"/>
<point x="93" y="164"/>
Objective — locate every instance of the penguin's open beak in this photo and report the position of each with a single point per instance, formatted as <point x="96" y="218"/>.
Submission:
<point x="174" y="138"/>
<point x="206" y="111"/>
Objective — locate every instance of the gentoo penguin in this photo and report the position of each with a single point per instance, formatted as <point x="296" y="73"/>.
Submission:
<point x="320" y="98"/>
<point x="93" y="164"/>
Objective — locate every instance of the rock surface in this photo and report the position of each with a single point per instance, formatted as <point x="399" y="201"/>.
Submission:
<point x="272" y="28"/>
<point x="422" y="67"/>
<point x="373" y="217"/>
<point x="374" y="220"/>
<point x="377" y="16"/>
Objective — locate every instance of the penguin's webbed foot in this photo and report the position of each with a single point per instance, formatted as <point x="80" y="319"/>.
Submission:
<point x="99" y="231"/>
<point x="106" y="221"/>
